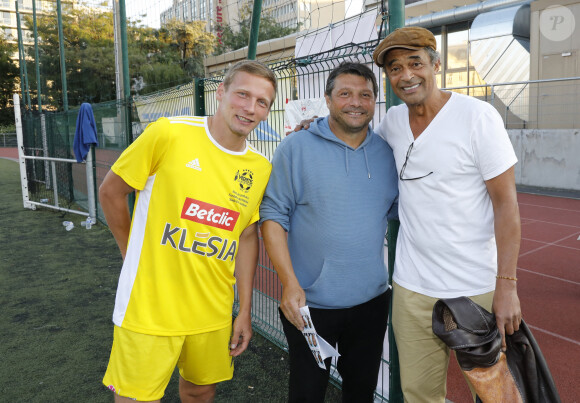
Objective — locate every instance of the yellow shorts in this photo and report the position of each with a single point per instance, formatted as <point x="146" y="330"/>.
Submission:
<point x="141" y="365"/>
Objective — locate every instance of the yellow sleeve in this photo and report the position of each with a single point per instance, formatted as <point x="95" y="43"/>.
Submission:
<point x="141" y="159"/>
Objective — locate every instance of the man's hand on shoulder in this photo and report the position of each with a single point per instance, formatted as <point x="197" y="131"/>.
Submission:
<point x="304" y="124"/>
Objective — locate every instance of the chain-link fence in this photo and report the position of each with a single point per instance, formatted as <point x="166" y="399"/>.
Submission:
<point x="541" y="104"/>
<point x="7" y="140"/>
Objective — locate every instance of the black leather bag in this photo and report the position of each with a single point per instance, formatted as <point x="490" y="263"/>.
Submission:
<point x="519" y="375"/>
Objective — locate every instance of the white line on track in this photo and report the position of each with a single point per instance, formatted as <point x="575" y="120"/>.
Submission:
<point x="549" y="276"/>
<point x="533" y="220"/>
<point x="551" y="208"/>
<point x="559" y="246"/>
<point x="553" y="334"/>
<point x="546" y="245"/>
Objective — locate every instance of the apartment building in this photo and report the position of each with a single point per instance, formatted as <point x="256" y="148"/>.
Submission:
<point x="8" y="21"/>
<point x="308" y="14"/>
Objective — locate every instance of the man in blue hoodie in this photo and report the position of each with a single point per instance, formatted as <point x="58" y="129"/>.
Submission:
<point x="324" y="217"/>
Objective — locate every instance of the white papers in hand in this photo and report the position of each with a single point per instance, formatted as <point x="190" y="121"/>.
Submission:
<point x="320" y="348"/>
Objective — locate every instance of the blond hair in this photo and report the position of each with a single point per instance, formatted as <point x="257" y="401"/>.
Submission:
<point x="251" y="67"/>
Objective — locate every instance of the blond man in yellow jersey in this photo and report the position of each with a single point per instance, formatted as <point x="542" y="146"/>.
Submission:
<point x="193" y="235"/>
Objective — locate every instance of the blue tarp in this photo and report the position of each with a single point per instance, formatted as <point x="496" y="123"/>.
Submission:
<point x="265" y="132"/>
<point x="85" y="133"/>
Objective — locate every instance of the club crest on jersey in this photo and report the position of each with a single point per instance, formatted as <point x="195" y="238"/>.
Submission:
<point x="245" y="179"/>
<point x="209" y="214"/>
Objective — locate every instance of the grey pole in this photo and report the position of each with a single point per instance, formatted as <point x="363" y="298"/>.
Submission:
<point x="26" y="89"/>
<point x="62" y="60"/>
<point x="37" y="60"/>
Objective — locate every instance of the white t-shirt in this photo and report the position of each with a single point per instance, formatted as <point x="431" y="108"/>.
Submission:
<point x="446" y="244"/>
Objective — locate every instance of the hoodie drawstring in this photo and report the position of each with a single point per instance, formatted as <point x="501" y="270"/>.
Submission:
<point x="367" y="161"/>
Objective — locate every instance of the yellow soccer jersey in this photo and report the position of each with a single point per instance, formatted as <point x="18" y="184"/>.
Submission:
<point x="194" y="200"/>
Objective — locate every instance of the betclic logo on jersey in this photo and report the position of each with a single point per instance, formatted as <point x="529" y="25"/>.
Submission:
<point x="209" y="214"/>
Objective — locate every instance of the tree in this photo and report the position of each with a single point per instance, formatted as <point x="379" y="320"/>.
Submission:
<point x="158" y="59"/>
<point x="8" y="80"/>
<point x="89" y="56"/>
<point x="193" y="43"/>
<point x="152" y="60"/>
<point x="237" y="38"/>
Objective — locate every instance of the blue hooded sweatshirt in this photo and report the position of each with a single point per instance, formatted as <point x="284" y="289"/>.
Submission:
<point x="334" y="202"/>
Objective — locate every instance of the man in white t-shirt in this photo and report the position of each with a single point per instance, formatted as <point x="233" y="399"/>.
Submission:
<point x="460" y="224"/>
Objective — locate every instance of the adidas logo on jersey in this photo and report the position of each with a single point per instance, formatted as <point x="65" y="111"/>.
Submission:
<point x="194" y="164"/>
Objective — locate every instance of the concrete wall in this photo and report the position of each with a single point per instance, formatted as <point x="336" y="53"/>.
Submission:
<point x="547" y="158"/>
<point x="267" y="52"/>
<point x="554" y="41"/>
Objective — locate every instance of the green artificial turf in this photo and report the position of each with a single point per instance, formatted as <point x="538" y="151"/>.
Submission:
<point x="57" y="290"/>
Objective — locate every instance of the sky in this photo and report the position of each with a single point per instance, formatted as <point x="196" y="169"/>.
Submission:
<point x="136" y="8"/>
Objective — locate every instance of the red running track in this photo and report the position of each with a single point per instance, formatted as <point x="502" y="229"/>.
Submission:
<point x="549" y="290"/>
<point x="10" y="153"/>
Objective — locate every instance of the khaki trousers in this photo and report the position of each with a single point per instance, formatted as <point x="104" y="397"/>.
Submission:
<point x="423" y="357"/>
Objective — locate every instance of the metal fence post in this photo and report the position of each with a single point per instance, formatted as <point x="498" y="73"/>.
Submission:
<point x="199" y="96"/>
<point x="396" y="9"/>
<point x="396" y="19"/>
<point x="25" y="90"/>
<point x="92" y="204"/>
<point x="45" y="151"/>
<point x="62" y="60"/>
<point x="395" y="390"/>
<point x="55" y="184"/>
<point x="64" y="88"/>
<point x="254" y="30"/>
<point x="126" y="84"/>
<point x="37" y="58"/>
